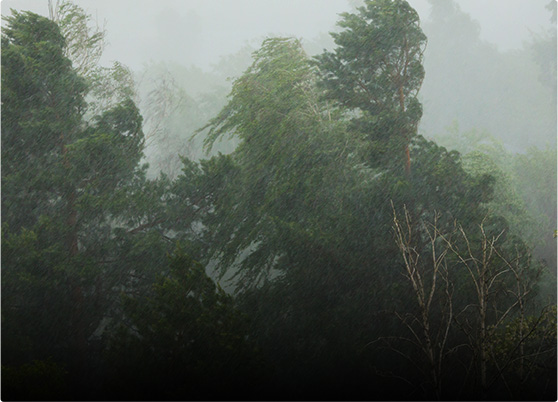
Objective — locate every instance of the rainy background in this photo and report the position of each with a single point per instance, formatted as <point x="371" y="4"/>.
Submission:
<point x="310" y="199"/>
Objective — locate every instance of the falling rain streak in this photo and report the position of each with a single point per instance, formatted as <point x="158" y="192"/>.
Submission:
<point x="364" y="214"/>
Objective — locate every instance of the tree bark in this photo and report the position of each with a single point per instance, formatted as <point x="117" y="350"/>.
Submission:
<point x="404" y="134"/>
<point x="407" y="161"/>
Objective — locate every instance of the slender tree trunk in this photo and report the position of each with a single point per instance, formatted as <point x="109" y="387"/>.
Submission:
<point x="405" y="136"/>
<point x="483" y="305"/>
<point x="407" y="161"/>
<point x="521" y="335"/>
<point x="483" y="352"/>
<point x="430" y="352"/>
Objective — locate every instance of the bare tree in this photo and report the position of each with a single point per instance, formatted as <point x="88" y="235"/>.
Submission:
<point x="503" y="281"/>
<point x="490" y="273"/>
<point x="430" y="284"/>
<point x="435" y="261"/>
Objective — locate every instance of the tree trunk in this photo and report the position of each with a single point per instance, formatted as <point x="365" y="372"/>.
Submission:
<point x="404" y="134"/>
<point x="407" y="161"/>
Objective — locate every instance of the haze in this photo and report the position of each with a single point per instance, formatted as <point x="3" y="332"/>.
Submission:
<point x="199" y="32"/>
<point x="219" y="200"/>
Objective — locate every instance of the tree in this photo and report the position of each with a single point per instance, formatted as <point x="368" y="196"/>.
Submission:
<point x="168" y="109"/>
<point x="84" y="45"/>
<point x="480" y="285"/>
<point x="430" y="326"/>
<point x="524" y="187"/>
<point x="297" y="216"/>
<point x="107" y="86"/>
<point x="288" y="143"/>
<point x="376" y="71"/>
<point x="182" y="339"/>
<point x="43" y="103"/>
<point x="543" y="50"/>
<point x="64" y="180"/>
<point x="534" y="178"/>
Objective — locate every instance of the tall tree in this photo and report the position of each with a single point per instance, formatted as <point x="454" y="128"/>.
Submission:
<point x="43" y="103"/>
<point x="84" y="45"/>
<point x="376" y="71"/>
<point x="275" y="112"/>
<point x="63" y="180"/>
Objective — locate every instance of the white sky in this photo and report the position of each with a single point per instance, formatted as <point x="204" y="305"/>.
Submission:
<point x="199" y="31"/>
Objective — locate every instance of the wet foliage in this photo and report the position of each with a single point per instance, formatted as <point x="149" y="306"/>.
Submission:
<point x="332" y="253"/>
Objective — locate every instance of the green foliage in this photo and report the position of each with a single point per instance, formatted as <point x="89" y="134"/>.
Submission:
<point x="176" y="101"/>
<point x="534" y="178"/>
<point x="84" y="45"/>
<point x="535" y="334"/>
<point x="299" y="215"/>
<point x="64" y="183"/>
<point x="185" y="338"/>
<point x="524" y="185"/>
<point x="263" y="98"/>
<point x="379" y="54"/>
<point x="288" y="146"/>
<point x="38" y="280"/>
<point x="109" y="86"/>
<point x="42" y="99"/>
<point x="376" y="72"/>
<point x="525" y="351"/>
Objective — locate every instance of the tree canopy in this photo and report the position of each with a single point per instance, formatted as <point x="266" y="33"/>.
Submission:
<point x="376" y="70"/>
<point x="309" y="262"/>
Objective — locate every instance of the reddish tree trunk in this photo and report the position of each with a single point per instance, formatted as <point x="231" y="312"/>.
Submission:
<point x="407" y="161"/>
<point x="407" y="152"/>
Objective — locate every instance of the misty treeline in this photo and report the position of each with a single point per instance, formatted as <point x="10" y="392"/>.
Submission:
<point x="358" y="259"/>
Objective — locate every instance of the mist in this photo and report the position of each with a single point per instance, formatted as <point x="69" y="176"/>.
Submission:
<point x="200" y="32"/>
<point x="279" y="200"/>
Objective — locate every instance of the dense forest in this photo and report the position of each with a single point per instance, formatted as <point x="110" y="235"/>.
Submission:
<point x="296" y="232"/>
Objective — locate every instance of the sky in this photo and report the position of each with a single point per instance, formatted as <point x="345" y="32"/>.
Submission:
<point x="198" y="32"/>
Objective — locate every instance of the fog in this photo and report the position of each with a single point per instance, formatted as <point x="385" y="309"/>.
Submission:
<point x="199" y="32"/>
<point x="483" y="71"/>
<point x="279" y="200"/>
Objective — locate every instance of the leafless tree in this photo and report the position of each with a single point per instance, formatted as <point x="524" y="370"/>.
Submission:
<point x="430" y="284"/>
<point x="502" y="283"/>
<point x="492" y="273"/>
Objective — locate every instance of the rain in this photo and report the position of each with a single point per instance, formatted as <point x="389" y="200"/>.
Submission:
<point x="279" y="200"/>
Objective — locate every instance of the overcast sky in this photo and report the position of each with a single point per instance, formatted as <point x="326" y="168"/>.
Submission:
<point x="199" y="31"/>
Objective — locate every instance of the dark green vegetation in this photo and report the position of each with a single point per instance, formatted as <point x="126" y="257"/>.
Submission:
<point x="368" y="262"/>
